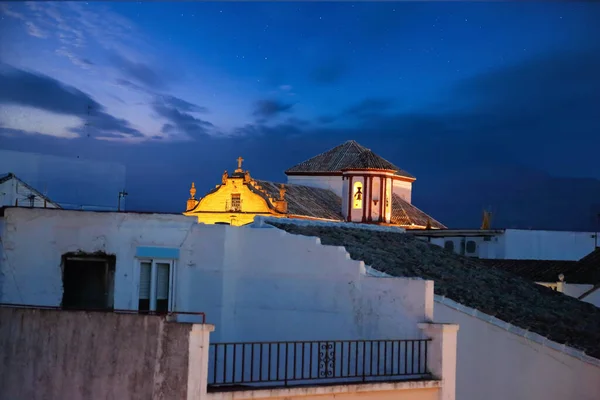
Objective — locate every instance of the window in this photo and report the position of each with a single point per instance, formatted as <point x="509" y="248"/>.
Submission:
<point x="449" y="245"/>
<point x="358" y="195"/>
<point x="88" y="281"/>
<point x="236" y="202"/>
<point x="155" y="286"/>
<point x="471" y="246"/>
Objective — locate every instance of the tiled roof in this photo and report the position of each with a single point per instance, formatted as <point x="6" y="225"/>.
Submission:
<point x="534" y="270"/>
<point x="587" y="270"/>
<point x="493" y="291"/>
<point x="405" y="214"/>
<point x="307" y="201"/>
<point x="584" y="271"/>
<point x="342" y="156"/>
<point x="323" y="203"/>
<point x="369" y="160"/>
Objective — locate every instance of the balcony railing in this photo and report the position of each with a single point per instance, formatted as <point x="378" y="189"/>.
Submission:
<point x="295" y="363"/>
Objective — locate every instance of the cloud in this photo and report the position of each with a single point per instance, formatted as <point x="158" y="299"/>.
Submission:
<point x="20" y="87"/>
<point x="328" y="73"/>
<point x="6" y="10"/>
<point x="180" y="104"/>
<point x="35" y="31"/>
<point x="181" y="124"/>
<point x="80" y="62"/>
<point x="270" y="108"/>
<point x="137" y="71"/>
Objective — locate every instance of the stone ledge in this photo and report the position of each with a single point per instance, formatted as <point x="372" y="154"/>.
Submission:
<point x="303" y="391"/>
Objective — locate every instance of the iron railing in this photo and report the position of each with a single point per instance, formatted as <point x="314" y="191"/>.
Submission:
<point x="285" y="363"/>
<point x="200" y="315"/>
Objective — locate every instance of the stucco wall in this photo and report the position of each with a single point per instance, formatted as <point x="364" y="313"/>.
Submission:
<point x="575" y="290"/>
<point x="253" y="284"/>
<point x="495" y="364"/>
<point x="593" y="298"/>
<point x="547" y="245"/>
<point x="529" y="244"/>
<point x="215" y="207"/>
<point x="47" y="354"/>
<point x="13" y="192"/>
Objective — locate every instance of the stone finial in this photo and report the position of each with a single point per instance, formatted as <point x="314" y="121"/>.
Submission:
<point x="486" y="223"/>
<point x="224" y="178"/>
<point x="247" y="177"/>
<point x="282" y="191"/>
<point x="193" y="191"/>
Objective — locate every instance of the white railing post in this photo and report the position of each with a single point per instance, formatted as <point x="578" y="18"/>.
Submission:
<point x="441" y="356"/>
<point x="197" y="379"/>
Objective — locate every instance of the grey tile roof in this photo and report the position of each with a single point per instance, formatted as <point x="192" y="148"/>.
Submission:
<point x="493" y="291"/>
<point x="405" y="214"/>
<point x="349" y="153"/>
<point x="369" y="160"/>
<point x="584" y="271"/>
<point x="533" y="270"/>
<point x="307" y="201"/>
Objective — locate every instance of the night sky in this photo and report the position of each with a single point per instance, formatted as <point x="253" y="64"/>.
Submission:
<point x="490" y="105"/>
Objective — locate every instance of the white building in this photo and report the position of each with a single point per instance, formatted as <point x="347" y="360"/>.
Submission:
<point x="253" y="284"/>
<point x="261" y="284"/>
<point x="15" y="192"/>
<point x="513" y="244"/>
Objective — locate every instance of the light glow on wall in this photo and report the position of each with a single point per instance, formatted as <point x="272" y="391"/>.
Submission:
<point x="358" y="195"/>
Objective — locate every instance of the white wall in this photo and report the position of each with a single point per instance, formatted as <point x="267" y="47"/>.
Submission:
<point x="494" y="364"/>
<point x="529" y="245"/>
<point x="13" y="192"/>
<point x="253" y="284"/>
<point x="403" y="189"/>
<point x="484" y="249"/>
<point x="333" y="183"/>
<point x="547" y="245"/>
<point x="593" y="298"/>
<point x="575" y="290"/>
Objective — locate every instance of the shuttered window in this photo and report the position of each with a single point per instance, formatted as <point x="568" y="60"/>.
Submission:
<point x="154" y="286"/>
<point x="145" y="284"/>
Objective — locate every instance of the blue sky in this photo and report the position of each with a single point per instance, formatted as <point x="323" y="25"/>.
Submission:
<point x="437" y="88"/>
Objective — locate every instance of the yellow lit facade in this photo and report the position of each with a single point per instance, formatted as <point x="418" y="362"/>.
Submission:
<point x="236" y="201"/>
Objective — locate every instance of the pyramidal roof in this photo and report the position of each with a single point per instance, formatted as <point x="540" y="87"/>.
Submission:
<point x="348" y="155"/>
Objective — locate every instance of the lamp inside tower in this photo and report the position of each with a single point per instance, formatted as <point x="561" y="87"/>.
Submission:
<point x="358" y="195"/>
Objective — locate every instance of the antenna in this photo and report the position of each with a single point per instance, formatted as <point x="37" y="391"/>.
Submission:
<point x="87" y="122"/>
<point x="122" y="195"/>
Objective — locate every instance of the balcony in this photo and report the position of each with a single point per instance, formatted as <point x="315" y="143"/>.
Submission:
<point x="260" y="365"/>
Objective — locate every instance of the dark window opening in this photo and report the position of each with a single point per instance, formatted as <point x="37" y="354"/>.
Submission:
<point x="471" y="246"/>
<point x="88" y="282"/>
<point x="449" y="245"/>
